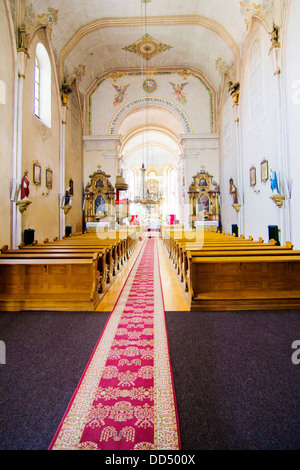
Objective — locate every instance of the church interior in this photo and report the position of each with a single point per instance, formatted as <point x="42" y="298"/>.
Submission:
<point x="143" y="138"/>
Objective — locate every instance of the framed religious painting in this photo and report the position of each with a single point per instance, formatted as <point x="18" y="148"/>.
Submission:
<point x="71" y="186"/>
<point x="252" y="176"/>
<point x="49" y="178"/>
<point x="37" y="173"/>
<point x="264" y="171"/>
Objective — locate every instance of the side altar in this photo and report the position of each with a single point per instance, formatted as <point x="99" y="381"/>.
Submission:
<point x="99" y="200"/>
<point x="204" y="201"/>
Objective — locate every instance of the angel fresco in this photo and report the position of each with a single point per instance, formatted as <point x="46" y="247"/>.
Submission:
<point x="121" y="90"/>
<point x="178" y="91"/>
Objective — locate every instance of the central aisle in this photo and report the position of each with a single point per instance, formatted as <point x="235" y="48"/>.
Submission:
<point x="125" y="399"/>
<point x="173" y="295"/>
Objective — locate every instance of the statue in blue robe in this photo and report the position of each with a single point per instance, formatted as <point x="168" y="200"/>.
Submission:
<point x="273" y="181"/>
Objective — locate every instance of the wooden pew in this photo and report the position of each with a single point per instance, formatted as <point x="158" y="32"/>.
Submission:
<point x="66" y="274"/>
<point x="231" y="251"/>
<point x="115" y="250"/>
<point x="35" y="253"/>
<point x="180" y="261"/>
<point x="49" y="283"/>
<point x="109" y="252"/>
<point x="254" y="282"/>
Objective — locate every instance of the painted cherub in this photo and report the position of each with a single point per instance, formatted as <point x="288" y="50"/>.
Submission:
<point x="178" y="90"/>
<point x="121" y="90"/>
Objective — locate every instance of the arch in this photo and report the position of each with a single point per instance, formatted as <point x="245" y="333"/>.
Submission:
<point x="150" y="100"/>
<point x="157" y="101"/>
<point x="160" y="139"/>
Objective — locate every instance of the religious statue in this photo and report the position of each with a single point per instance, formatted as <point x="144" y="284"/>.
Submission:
<point x="68" y="199"/>
<point x="233" y="89"/>
<point x="25" y="186"/>
<point x="22" y="38"/>
<point x="233" y="191"/>
<point x="275" y="35"/>
<point x="274" y="181"/>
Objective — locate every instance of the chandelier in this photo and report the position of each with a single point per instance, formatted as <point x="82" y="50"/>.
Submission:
<point x="145" y="198"/>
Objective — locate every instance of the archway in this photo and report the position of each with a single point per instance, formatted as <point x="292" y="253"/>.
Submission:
<point x="151" y="164"/>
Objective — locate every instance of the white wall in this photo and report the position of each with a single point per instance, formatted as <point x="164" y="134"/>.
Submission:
<point x="292" y="89"/>
<point x="7" y="79"/>
<point x="41" y="143"/>
<point x="228" y="163"/>
<point x="260" y="135"/>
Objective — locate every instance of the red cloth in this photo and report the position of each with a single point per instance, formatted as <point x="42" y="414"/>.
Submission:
<point x="24" y="187"/>
<point x="172" y="218"/>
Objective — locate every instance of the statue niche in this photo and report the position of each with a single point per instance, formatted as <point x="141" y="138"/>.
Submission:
<point x="99" y="198"/>
<point x="204" y="201"/>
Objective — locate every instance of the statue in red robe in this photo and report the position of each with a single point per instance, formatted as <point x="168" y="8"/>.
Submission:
<point x="25" y="186"/>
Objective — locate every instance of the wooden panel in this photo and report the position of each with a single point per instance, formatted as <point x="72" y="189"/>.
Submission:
<point x="58" y="269"/>
<point x="39" y="269"/>
<point x="249" y="284"/>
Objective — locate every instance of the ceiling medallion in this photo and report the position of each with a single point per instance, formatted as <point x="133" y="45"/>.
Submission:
<point x="150" y="85"/>
<point x="147" y="47"/>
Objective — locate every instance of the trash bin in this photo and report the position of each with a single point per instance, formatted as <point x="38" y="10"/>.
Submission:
<point x="68" y="230"/>
<point x="273" y="233"/>
<point x="29" y="236"/>
<point x="235" y="229"/>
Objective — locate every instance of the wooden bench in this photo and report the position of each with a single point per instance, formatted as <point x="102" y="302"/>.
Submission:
<point x="254" y="282"/>
<point x="66" y="274"/>
<point x="117" y="252"/>
<point x="181" y="264"/>
<point x="35" y="253"/>
<point x="49" y="283"/>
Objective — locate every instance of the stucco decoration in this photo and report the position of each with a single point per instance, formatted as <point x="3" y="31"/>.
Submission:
<point x="33" y="21"/>
<point x="147" y="47"/>
<point x="222" y="66"/>
<point x="265" y="8"/>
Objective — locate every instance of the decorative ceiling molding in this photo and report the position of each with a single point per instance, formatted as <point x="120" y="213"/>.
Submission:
<point x="182" y="20"/>
<point x="147" y="47"/>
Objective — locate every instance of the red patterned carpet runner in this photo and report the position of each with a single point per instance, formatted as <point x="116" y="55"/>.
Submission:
<point x="125" y="399"/>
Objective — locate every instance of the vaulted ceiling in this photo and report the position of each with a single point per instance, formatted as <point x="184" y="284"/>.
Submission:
<point x="92" y="38"/>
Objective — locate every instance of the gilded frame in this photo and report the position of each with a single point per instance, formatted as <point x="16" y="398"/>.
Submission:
<point x="49" y="178"/>
<point x="37" y="174"/>
<point x="252" y="172"/>
<point x="264" y="171"/>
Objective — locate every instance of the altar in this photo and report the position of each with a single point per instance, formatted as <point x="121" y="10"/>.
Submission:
<point x="210" y="225"/>
<point x="153" y="224"/>
<point x="204" y="202"/>
<point x="94" y="226"/>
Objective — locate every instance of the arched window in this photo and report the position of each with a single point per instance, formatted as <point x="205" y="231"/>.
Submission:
<point x="256" y="86"/>
<point x="37" y="88"/>
<point x="42" y="85"/>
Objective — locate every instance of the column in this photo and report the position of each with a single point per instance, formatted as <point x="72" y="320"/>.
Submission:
<point x="22" y="57"/>
<point x="285" y="221"/>
<point x="62" y="159"/>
